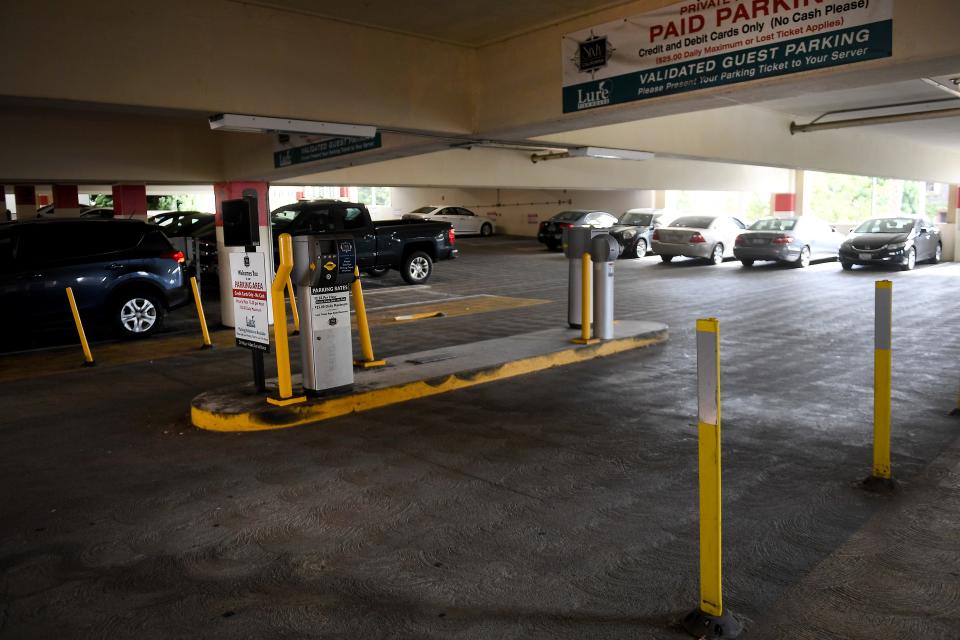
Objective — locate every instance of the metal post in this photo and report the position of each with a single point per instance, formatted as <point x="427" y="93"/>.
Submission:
<point x="880" y="478"/>
<point x="87" y="355"/>
<point x="280" y="281"/>
<point x="586" y="299"/>
<point x="203" y="319"/>
<point x="293" y="307"/>
<point x="366" y="346"/>
<point x="710" y="620"/>
<point x="259" y="379"/>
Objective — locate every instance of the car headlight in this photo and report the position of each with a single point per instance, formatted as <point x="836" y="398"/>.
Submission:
<point x="629" y="233"/>
<point x="896" y="245"/>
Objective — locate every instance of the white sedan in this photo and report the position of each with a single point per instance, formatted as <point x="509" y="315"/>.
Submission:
<point x="464" y="221"/>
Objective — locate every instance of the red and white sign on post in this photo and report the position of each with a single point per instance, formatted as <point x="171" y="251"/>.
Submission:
<point x="250" y="313"/>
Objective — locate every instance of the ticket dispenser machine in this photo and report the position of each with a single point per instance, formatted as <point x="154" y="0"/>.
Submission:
<point x="604" y="250"/>
<point x="576" y="242"/>
<point x="323" y="272"/>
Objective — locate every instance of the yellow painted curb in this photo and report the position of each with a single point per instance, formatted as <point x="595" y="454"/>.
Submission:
<point x="269" y="418"/>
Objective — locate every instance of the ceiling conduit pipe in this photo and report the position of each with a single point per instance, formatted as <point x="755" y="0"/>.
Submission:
<point x="864" y="122"/>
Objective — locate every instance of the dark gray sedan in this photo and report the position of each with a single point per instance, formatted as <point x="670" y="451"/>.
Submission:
<point x="634" y="229"/>
<point x="794" y="240"/>
<point x="900" y="242"/>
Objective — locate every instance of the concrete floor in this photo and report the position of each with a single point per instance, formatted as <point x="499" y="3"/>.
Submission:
<point x="558" y="505"/>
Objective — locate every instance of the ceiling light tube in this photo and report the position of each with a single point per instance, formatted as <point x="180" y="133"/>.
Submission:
<point x="263" y="124"/>
<point x="611" y="154"/>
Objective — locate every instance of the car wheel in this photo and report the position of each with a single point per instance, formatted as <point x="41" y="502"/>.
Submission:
<point x="137" y="314"/>
<point x="804" y="260"/>
<point x="666" y="258"/>
<point x="717" y="256"/>
<point x="937" y="255"/>
<point x="551" y="245"/>
<point x="641" y="248"/>
<point x="486" y="229"/>
<point x="847" y="266"/>
<point x="910" y="261"/>
<point x="417" y="268"/>
<point x="376" y="272"/>
<point x="747" y="262"/>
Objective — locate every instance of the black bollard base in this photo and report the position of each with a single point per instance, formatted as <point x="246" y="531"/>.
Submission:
<point x="707" y="627"/>
<point x="883" y="486"/>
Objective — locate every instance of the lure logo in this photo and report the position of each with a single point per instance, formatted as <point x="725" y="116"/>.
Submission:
<point x="596" y="98"/>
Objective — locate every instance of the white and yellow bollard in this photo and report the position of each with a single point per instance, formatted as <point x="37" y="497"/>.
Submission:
<point x="710" y="619"/>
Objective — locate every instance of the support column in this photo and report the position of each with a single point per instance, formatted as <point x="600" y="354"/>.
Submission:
<point x="231" y="191"/>
<point x="26" y="199"/>
<point x="66" y="200"/>
<point x="951" y="250"/>
<point x="789" y="203"/>
<point x="130" y="201"/>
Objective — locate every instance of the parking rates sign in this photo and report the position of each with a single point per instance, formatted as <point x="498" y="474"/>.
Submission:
<point x="699" y="44"/>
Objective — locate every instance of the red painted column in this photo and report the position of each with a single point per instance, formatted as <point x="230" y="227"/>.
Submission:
<point x="232" y="191"/>
<point x="66" y="200"/>
<point x="130" y="201"/>
<point x="26" y="199"/>
<point x="784" y="204"/>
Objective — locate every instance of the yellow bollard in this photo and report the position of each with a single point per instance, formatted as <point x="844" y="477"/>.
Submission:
<point x="586" y="303"/>
<point x="293" y="307"/>
<point x="710" y="615"/>
<point x="87" y="355"/>
<point x="880" y="478"/>
<point x="284" y="383"/>
<point x="203" y="318"/>
<point x="366" y="346"/>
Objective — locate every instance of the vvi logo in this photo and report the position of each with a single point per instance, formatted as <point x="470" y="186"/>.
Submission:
<point x="597" y="97"/>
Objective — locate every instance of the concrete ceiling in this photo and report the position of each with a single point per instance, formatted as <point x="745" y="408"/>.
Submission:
<point x="944" y="132"/>
<point x="463" y="22"/>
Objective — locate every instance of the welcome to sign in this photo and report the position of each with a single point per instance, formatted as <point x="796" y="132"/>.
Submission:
<point x="706" y="43"/>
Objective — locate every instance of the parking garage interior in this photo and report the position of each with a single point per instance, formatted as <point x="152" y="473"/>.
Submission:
<point x="548" y="496"/>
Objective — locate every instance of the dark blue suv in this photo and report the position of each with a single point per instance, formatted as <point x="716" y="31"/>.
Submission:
<point x="125" y="275"/>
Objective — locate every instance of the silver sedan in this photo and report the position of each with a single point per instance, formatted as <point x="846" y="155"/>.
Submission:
<point x="708" y="237"/>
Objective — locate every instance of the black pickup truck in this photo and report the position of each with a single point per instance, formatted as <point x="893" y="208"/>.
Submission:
<point x="410" y="246"/>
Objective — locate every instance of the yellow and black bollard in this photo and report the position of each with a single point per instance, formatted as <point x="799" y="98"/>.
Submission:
<point x="586" y="302"/>
<point x="363" y="327"/>
<point x="710" y="619"/>
<point x="207" y="344"/>
<point x="87" y="355"/>
<point x="880" y="479"/>
<point x="284" y="382"/>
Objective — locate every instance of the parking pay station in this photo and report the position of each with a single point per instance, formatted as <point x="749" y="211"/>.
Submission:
<point x="604" y="250"/>
<point x="323" y="273"/>
<point x="576" y="242"/>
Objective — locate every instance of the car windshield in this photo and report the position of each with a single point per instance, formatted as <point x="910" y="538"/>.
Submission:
<point x="284" y="216"/>
<point x="885" y="225"/>
<point x="184" y="224"/>
<point x="424" y="210"/>
<point x="637" y="219"/>
<point x="568" y="216"/>
<point x="773" y="224"/>
<point x="693" y="222"/>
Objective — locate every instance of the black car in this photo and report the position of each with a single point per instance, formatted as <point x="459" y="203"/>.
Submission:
<point x="899" y="242"/>
<point x="124" y="273"/>
<point x="550" y="231"/>
<point x="633" y="231"/>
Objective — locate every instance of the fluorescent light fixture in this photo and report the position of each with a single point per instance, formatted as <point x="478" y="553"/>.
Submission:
<point x="612" y="154"/>
<point x="263" y="124"/>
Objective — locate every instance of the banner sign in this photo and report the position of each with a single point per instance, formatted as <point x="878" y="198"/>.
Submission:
<point x="298" y="149"/>
<point x="709" y="43"/>
<point x="248" y="273"/>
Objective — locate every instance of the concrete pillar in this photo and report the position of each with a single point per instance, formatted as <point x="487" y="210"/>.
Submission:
<point x="130" y="201"/>
<point x="232" y="191"/>
<point x="951" y="250"/>
<point x="66" y="200"/>
<point x="659" y="199"/>
<point x="26" y="198"/>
